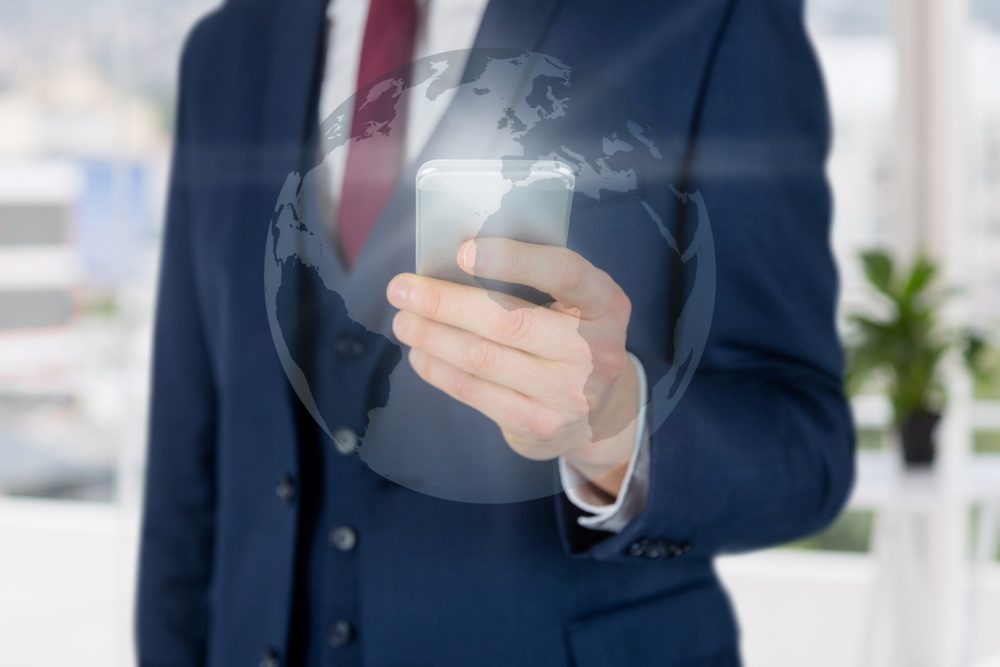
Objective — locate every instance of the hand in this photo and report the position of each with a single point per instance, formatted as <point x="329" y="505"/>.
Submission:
<point x="556" y="380"/>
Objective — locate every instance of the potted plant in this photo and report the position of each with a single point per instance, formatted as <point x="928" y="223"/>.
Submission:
<point x="903" y="350"/>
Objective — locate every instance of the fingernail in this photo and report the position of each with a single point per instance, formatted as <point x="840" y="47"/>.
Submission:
<point x="399" y="289"/>
<point x="469" y="256"/>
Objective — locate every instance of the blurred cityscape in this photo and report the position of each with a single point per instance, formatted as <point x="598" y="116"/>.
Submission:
<point x="86" y="102"/>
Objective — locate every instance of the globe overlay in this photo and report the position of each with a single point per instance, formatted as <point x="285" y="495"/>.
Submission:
<point x="331" y="324"/>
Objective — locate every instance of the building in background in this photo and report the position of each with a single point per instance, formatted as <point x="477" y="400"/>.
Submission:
<point x="84" y="142"/>
<point x="39" y="344"/>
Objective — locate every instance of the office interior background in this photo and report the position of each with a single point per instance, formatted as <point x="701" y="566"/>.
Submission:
<point x="908" y="576"/>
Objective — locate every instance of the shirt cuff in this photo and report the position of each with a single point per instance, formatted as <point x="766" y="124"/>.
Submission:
<point x="631" y="498"/>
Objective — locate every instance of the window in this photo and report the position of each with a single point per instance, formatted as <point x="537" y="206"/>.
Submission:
<point x="84" y="138"/>
<point x="984" y="145"/>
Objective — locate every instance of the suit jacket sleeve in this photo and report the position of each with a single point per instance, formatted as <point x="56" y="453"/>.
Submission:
<point x="759" y="450"/>
<point x="178" y="514"/>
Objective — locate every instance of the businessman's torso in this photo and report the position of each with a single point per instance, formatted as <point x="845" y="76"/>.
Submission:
<point x="429" y="581"/>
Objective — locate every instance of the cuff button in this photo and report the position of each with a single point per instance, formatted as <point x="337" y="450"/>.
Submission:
<point x="639" y="548"/>
<point x="657" y="549"/>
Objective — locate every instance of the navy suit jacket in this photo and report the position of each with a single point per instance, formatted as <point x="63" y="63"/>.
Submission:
<point x="758" y="451"/>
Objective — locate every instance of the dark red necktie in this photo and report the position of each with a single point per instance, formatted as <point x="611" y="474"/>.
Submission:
<point x="374" y="164"/>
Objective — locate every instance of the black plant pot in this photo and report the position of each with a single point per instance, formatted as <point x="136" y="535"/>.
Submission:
<point x="917" y="437"/>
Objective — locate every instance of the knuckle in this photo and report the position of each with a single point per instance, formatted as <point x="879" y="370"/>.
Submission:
<point x="514" y="324"/>
<point x="573" y="381"/>
<point x="579" y="349"/>
<point x="484" y="356"/>
<point x="527" y="447"/>
<point x="609" y="360"/>
<point x="464" y="387"/>
<point x="578" y="406"/>
<point x="546" y="427"/>
<point x="623" y="306"/>
<point x="417" y="330"/>
<point x="515" y="262"/>
<point x="432" y="301"/>
<point x="570" y="272"/>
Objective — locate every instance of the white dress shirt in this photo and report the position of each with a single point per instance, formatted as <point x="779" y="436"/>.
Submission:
<point x="451" y="25"/>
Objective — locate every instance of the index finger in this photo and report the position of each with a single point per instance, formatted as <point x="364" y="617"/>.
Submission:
<point x="560" y="272"/>
<point x="494" y="315"/>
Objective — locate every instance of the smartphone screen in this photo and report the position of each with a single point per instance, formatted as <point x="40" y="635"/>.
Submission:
<point x="524" y="200"/>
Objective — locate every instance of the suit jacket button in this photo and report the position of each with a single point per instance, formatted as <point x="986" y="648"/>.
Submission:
<point x="341" y="634"/>
<point x="349" y="347"/>
<point x="345" y="441"/>
<point x="285" y="489"/>
<point x="269" y="658"/>
<point x="343" y="538"/>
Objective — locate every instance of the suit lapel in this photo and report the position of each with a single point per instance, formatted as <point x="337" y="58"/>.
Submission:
<point x="293" y="80"/>
<point x="287" y="116"/>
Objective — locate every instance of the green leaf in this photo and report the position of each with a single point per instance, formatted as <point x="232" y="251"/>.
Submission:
<point x="903" y="348"/>
<point x="921" y="276"/>
<point x="878" y="268"/>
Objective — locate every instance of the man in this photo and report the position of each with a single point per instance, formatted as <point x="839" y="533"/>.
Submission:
<point x="266" y="543"/>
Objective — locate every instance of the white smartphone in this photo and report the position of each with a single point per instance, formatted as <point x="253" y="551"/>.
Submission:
<point x="524" y="200"/>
